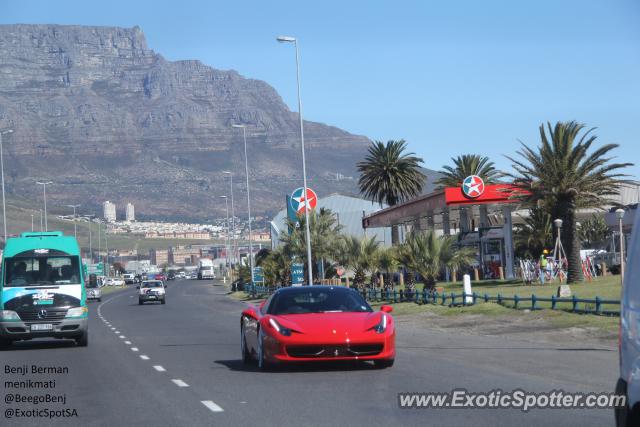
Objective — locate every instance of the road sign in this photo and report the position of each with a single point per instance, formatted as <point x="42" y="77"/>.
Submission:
<point x="258" y="275"/>
<point x="297" y="274"/>
<point x="97" y="269"/>
<point x="299" y="202"/>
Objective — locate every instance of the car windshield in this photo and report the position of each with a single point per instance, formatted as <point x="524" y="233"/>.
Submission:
<point x="318" y="300"/>
<point x="41" y="270"/>
<point x="151" y="284"/>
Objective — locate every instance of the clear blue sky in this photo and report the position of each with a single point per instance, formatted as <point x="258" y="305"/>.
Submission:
<point x="449" y="77"/>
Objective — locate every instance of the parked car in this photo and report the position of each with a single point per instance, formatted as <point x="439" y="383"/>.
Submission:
<point x="129" y="278"/>
<point x="629" y="380"/>
<point x="151" y="291"/>
<point x="171" y="276"/>
<point x="193" y="276"/>
<point x="181" y="274"/>
<point x="161" y="276"/>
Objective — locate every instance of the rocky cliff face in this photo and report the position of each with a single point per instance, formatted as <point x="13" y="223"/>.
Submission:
<point x="96" y="111"/>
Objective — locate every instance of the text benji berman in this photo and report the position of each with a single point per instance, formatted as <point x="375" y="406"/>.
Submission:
<point x="35" y="369"/>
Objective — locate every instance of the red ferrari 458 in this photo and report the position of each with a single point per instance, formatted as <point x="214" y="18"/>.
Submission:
<point x="317" y="323"/>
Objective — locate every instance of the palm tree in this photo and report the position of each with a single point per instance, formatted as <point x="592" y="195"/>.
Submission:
<point x="562" y="176"/>
<point x="593" y="232"/>
<point x="534" y="234"/>
<point x="325" y="232"/>
<point x="359" y="255"/>
<point x="429" y="255"/>
<point x="277" y="266"/>
<point x="465" y="165"/>
<point x="389" y="175"/>
<point x="388" y="263"/>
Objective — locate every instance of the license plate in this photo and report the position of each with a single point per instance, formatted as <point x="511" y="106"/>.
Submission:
<point x="42" y="327"/>
<point x="151" y="296"/>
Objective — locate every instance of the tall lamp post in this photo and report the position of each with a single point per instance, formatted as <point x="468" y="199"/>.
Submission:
<point x="289" y="39"/>
<point x="619" y="216"/>
<point x="75" y="227"/>
<point x="44" y="192"/>
<point x="4" y="206"/>
<point x="246" y="171"/>
<point x="226" y="203"/>
<point x="90" y="243"/>
<point x="234" y="243"/>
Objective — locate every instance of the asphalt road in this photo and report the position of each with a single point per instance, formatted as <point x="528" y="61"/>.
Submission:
<point x="178" y="365"/>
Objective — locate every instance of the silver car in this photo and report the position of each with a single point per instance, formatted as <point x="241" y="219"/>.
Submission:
<point x="93" y="289"/>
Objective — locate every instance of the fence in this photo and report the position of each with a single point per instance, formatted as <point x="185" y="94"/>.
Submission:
<point x="571" y="304"/>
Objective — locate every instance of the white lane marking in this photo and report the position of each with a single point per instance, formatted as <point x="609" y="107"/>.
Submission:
<point x="122" y="337"/>
<point x="144" y="357"/>
<point x="159" y="368"/>
<point x="211" y="405"/>
<point x="117" y="332"/>
<point x="113" y="329"/>
<point x="127" y="342"/>
<point x="134" y="348"/>
<point x="180" y="383"/>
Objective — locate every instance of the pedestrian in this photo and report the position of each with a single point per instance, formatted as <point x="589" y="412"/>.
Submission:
<point x="542" y="265"/>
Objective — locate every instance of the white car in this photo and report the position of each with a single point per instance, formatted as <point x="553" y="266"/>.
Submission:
<point x="629" y="381"/>
<point x="114" y="281"/>
<point x="151" y="291"/>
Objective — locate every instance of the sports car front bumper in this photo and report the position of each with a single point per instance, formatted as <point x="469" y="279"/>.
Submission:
<point x="290" y="349"/>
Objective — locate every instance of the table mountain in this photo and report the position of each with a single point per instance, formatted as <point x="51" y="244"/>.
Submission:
<point x="106" y="118"/>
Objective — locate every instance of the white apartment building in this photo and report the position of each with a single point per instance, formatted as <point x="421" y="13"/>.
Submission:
<point x="130" y="212"/>
<point x="109" y="211"/>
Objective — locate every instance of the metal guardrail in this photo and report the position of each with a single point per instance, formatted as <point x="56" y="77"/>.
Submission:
<point x="572" y="304"/>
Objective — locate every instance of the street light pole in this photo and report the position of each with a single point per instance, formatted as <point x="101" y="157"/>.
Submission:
<point x="246" y="171"/>
<point x="44" y="192"/>
<point x="41" y="226"/>
<point x="4" y="206"/>
<point x="227" y="239"/>
<point x="288" y="39"/>
<point x="32" y="223"/>
<point x="75" y="227"/>
<point x="90" y="243"/>
<point x="620" y="215"/>
<point x="99" y="242"/>
<point x="234" y="243"/>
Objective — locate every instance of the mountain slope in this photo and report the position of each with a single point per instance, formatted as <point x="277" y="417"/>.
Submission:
<point x="106" y="118"/>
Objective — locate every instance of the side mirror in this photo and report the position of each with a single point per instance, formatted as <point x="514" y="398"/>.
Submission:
<point x="386" y="308"/>
<point x="250" y="312"/>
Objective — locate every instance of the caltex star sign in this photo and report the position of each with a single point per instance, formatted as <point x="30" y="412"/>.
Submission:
<point x="473" y="186"/>
<point x="299" y="202"/>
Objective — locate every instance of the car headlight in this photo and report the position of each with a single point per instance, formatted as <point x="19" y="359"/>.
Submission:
<point x="382" y="326"/>
<point x="9" y="315"/>
<point x="275" y="325"/>
<point x="77" y="312"/>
